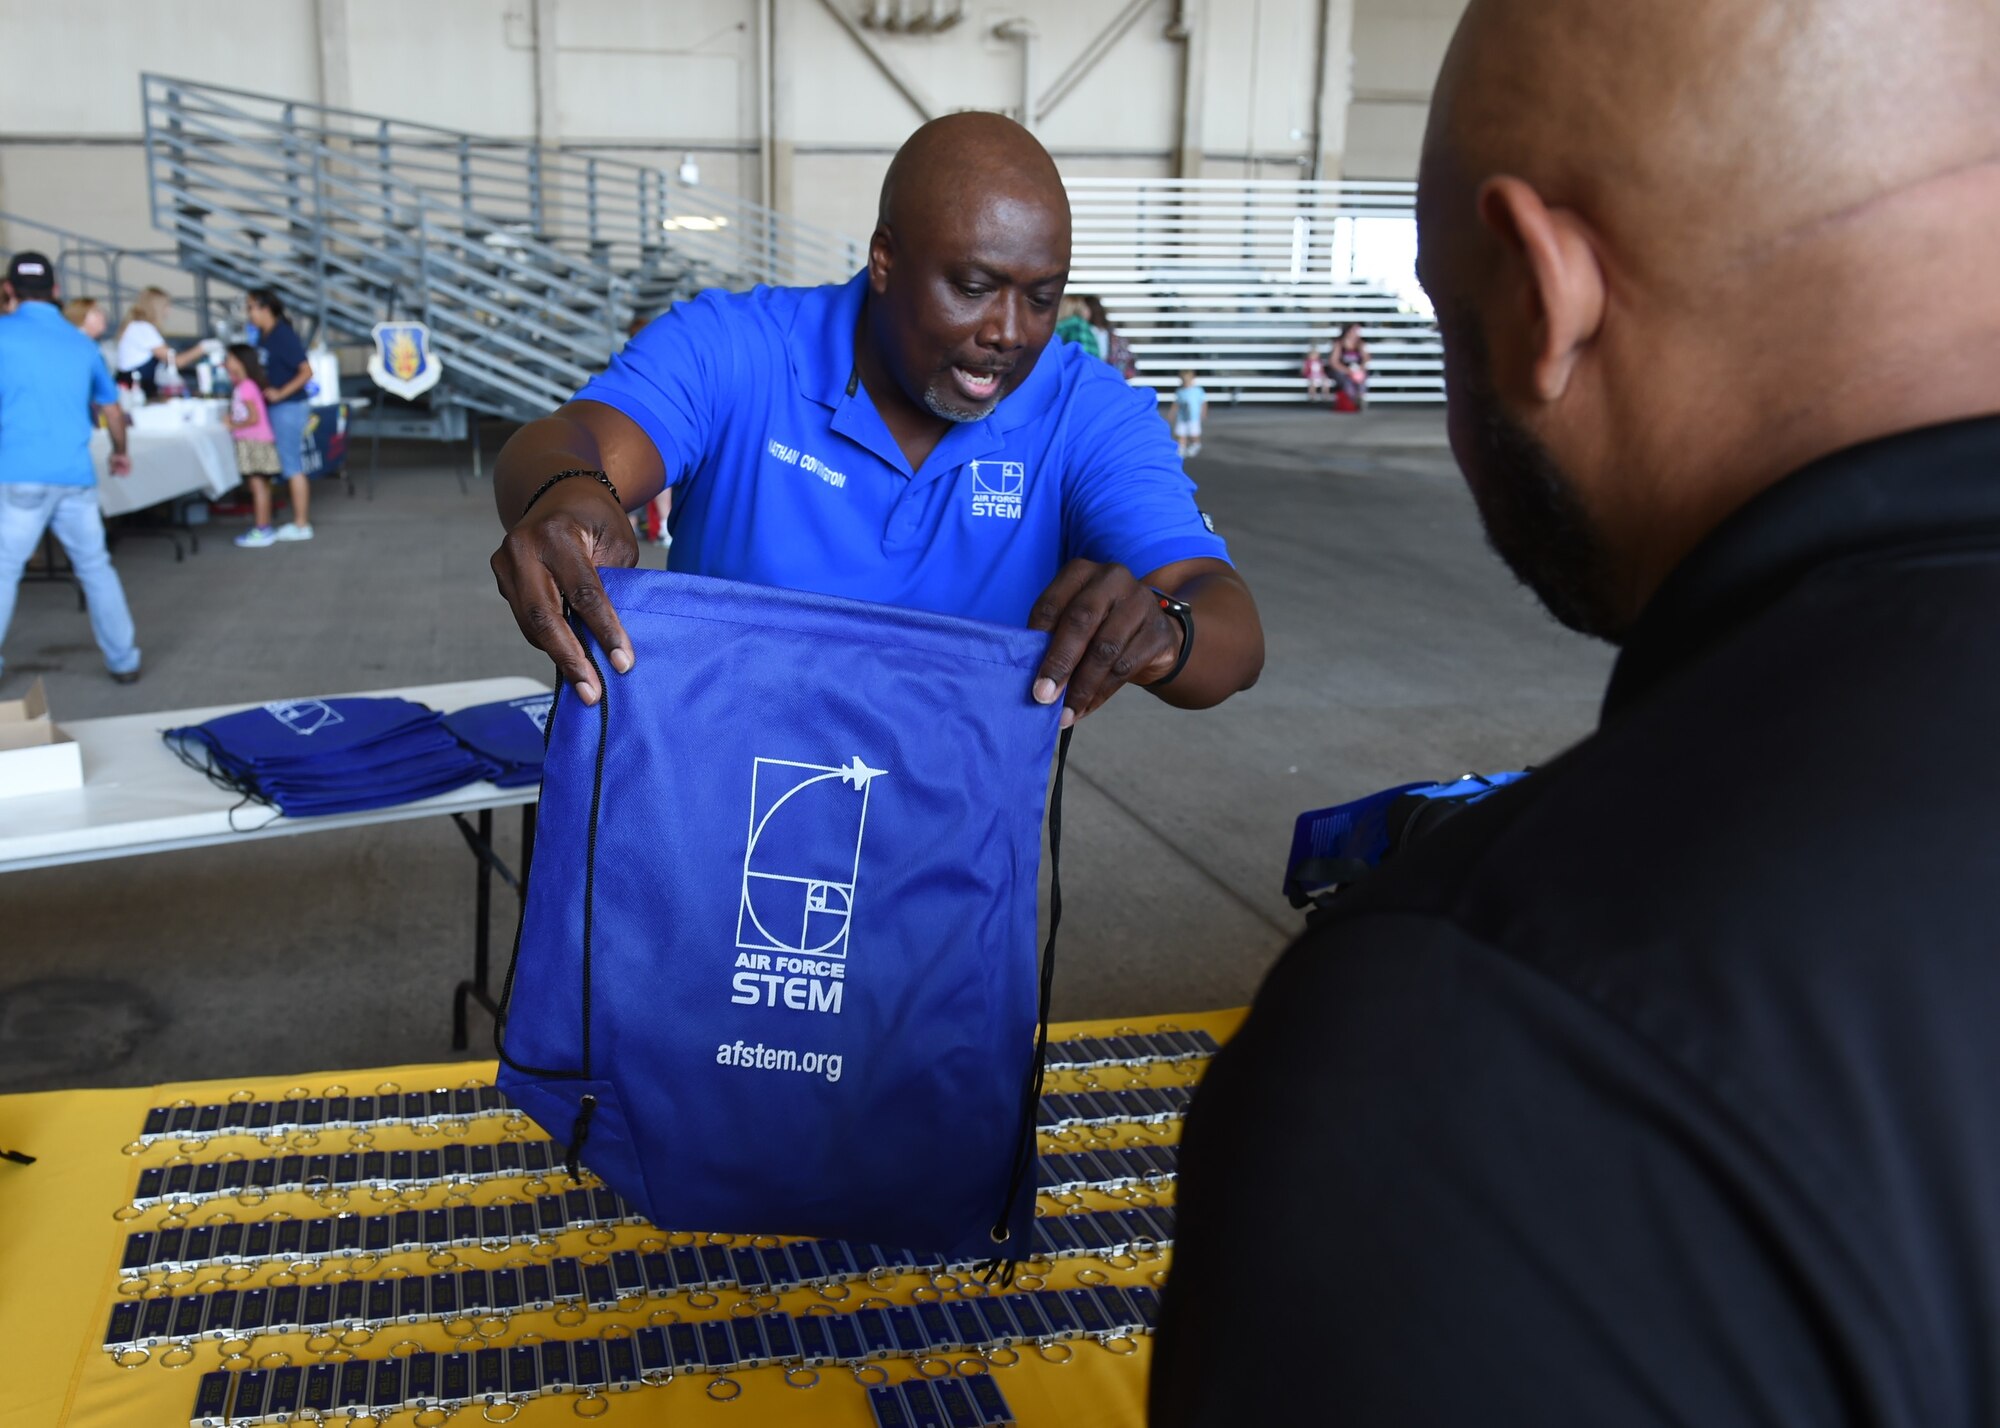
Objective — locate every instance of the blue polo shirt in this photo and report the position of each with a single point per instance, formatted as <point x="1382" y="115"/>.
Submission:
<point x="51" y="377"/>
<point x="784" y="474"/>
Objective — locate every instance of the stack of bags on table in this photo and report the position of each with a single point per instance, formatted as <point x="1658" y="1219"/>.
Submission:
<point x="319" y="756"/>
<point x="509" y="734"/>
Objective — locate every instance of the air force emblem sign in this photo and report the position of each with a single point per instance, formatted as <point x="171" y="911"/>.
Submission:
<point x="403" y="361"/>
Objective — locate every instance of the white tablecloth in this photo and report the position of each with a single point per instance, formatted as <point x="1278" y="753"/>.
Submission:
<point x="137" y="797"/>
<point x="167" y="461"/>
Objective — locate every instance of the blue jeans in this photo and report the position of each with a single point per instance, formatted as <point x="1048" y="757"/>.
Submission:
<point x="288" y="427"/>
<point x="71" y="511"/>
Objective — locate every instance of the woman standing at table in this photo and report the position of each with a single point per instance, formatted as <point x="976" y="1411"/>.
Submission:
<point x="142" y="347"/>
<point x="286" y="375"/>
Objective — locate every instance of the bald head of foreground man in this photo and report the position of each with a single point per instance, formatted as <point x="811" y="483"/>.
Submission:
<point x="1679" y="248"/>
<point x="1656" y="1088"/>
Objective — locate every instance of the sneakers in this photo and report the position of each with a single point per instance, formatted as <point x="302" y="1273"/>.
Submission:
<point x="125" y="676"/>
<point x="257" y="537"/>
<point x="291" y="530"/>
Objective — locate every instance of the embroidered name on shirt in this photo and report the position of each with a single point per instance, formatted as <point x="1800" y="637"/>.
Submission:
<point x="806" y="461"/>
<point x="996" y="488"/>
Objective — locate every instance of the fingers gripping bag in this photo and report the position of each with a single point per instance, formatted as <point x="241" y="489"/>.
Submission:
<point x="776" y="971"/>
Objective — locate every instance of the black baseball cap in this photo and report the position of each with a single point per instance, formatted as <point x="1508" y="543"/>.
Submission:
<point x="31" y="272"/>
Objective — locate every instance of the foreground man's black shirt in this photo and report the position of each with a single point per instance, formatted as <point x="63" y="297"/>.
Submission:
<point x="1665" y="1088"/>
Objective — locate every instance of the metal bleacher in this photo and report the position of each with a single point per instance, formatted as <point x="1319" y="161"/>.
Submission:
<point x="115" y="275"/>
<point x="1235" y="279"/>
<point x="527" y="264"/>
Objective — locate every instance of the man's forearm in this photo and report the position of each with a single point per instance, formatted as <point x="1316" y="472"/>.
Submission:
<point x="536" y="452"/>
<point x="116" y="426"/>
<point x="1228" y="641"/>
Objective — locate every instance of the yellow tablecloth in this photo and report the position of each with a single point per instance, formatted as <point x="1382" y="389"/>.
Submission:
<point x="59" y="1247"/>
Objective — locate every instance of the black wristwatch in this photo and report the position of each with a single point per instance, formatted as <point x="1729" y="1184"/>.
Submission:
<point x="1183" y="613"/>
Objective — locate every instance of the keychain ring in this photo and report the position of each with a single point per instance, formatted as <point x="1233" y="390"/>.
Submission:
<point x="1021" y="1281"/>
<point x="135" y="1147"/>
<point x="1046" y="1347"/>
<point x="126" y="1212"/>
<point x="591" y="1395"/>
<point x="673" y="1316"/>
<point x="123" y="1361"/>
<point x="450" y="1332"/>
<point x="926" y="1294"/>
<point x="715" y="1384"/>
<point x="973" y="1368"/>
<point x="608" y="1236"/>
<point x="580" y="1313"/>
<point x="703" y="1299"/>
<point x="186" y="1352"/>
<point x="616" y="1331"/>
<point x="992" y="1356"/>
<point x="943" y="1369"/>
<point x="810" y="1379"/>
<point x="1092" y="1276"/>
<point x="487" y="1411"/>
<point x="861" y="1370"/>
<point x="396" y="1349"/>
<point x="1131" y="1345"/>
<point x="825" y="1291"/>
<point x="425" y="1420"/>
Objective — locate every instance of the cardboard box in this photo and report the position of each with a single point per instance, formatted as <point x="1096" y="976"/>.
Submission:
<point x="35" y="756"/>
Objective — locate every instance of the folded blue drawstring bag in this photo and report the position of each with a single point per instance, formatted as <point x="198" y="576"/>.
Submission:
<point x="319" y="756"/>
<point x="508" y="733"/>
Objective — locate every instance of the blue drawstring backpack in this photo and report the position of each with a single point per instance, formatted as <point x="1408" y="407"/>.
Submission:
<point x="1336" y="847"/>
<point x="776" y="969"/>
<point x="508" y="734"/>
<point x="318" y="756"/>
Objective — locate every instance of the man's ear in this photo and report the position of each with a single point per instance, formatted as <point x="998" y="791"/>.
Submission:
<point x="881" y="257"/>
<point x="1561" y="283"/>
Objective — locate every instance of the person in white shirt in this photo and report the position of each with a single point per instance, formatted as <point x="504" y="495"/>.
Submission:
<point x="142" y="347"/>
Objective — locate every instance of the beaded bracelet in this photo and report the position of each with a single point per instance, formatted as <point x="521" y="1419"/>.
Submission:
<point x="543" y="489"/>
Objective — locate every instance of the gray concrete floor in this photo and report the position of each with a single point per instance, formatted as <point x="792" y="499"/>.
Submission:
<point x="1398" y="649"/>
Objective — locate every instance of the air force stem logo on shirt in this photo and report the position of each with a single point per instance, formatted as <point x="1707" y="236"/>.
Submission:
<point x="996" y="488"/>
<point x="801" y="864"/>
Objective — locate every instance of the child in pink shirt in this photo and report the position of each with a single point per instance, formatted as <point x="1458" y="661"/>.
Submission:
<point x="256" y="443"/>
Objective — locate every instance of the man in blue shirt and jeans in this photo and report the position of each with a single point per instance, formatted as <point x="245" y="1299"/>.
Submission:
<point x="910" y="437"/>
<point x="52" y="382"/>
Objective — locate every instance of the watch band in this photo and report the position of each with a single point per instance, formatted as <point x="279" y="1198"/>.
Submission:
<point x="398" y="1172"/>
<point x="441" y="1231"/>
<point x="1182" y="612"/>
<point x="436" y="1111"/>
<point x="570" y="1282"/>
<point x="491" y="1376"/>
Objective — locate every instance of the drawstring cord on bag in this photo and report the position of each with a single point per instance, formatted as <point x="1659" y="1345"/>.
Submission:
<point x="582" y="1127"/>
<point x="1000" y="1269"/>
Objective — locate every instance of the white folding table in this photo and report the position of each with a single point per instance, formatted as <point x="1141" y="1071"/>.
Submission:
<point x="138" y="797"/>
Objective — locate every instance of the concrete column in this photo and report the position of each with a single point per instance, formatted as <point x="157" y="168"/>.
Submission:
<point x="547" y="122"/>
<point x="336" y="74"/>
<point x="1190" y="29"/>
<point x="777" y="105"/>
<point x="1333" y="87"/>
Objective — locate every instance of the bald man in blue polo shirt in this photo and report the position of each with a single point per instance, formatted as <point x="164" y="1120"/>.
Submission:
<point x="911" y="437"/>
